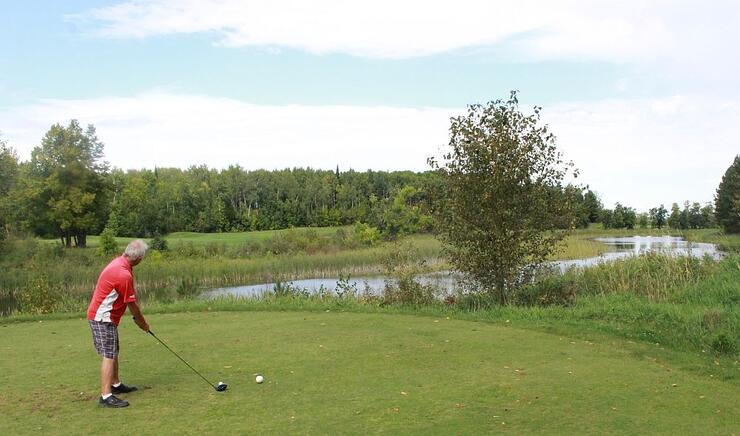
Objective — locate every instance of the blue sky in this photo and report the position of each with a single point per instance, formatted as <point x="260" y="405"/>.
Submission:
<point x="644" y="96"/>
<point x="46" y="55"/>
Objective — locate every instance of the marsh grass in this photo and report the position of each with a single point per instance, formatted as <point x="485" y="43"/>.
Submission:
<point x="579" y="247"/>
<point x="183" y="271"/>
<point x="197" y="261"/>
<point x="725" y="242"/>
<point x="651" y="275"/>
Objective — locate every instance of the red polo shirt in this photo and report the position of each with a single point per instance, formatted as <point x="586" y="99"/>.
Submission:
<point x="115" y="289"/>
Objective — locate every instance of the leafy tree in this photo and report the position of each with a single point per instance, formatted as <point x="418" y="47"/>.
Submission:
<point x="727" y="200"/>
<point x="67" y="191"/>
<point x="403" y="215"/>
<point x="658" y="216"/>
<point x="621" y="217"/>
<point x="684" y="217"/>
<point x="581" y="210"/>
<point x="499" y="203"/>
<point x="696" y="219"/>
<point x="674" y="220"/>
<point x="630" y="218"/>
<point x="593" y="205"/>
<point x="618" y="221"/>
<point x="8" y="178"/>
<point x="643" y="220"/>
<point x="607" y="218"/>
<point x="707" y="213"/>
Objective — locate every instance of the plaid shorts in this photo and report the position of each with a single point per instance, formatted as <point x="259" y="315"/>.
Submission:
<point x="105" y="338"/>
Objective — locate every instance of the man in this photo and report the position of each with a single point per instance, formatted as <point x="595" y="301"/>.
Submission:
<point x="113" y="293"/>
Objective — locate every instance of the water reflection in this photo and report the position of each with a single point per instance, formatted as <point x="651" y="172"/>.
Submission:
<point x="616" y="248"/>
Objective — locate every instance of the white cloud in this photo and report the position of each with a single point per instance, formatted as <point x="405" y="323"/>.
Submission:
<point x="639" y="152"/>
<point x="683" y="31"/>
<point x="646" y="152"/>
<point x="180" y="130"/>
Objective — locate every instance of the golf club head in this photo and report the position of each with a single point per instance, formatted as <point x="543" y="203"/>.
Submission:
<point x="221" y="386"/>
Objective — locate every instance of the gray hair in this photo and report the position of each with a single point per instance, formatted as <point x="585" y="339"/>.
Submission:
<point x="136" y="249"/>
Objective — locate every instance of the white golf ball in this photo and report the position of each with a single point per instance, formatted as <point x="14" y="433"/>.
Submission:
<point x="259" y="379"/>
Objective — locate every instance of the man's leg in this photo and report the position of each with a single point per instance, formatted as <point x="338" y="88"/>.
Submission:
<point x="107" y="369"/>
<point x="115" y="379"/>
<point x="105" y="338"/>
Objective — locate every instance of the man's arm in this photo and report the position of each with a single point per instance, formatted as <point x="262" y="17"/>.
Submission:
<point x="138" y="317"/>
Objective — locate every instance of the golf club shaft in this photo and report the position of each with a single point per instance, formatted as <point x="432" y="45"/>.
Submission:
<point x="183" y="360"/>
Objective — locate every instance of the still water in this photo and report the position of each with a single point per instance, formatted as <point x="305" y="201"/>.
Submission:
<point x="615" y="248"/>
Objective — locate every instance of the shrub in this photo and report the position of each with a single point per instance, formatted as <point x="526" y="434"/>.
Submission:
<point x="40" y="297"/>
<point x="213" y="249"/>
<point x="288" y="289"/>
<point x="406" y="289"/>
<point x="344" y="288"/>
<point x="340" y="238"/>
<point x="366" y="235"/>
<point x="281" y="243"/>
<point x="45" y="252"/>
<point x="402" y="285"/>
<point x="549" y="291"/>
<point x="188" y="249"/>
<point x="294" y="241"/>
<point x="158" y="243"/>
<point x="251" y="248"/>
<point x="723" y="344"/>
<point x="108" y="243"/>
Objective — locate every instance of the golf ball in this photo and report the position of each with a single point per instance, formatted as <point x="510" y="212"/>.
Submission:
<point x="259" y="379"/>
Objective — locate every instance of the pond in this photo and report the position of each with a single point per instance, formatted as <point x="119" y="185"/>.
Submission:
<point x="616" y="248"/>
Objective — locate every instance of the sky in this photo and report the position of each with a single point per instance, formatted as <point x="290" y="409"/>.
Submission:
<point x="643" y="96"/>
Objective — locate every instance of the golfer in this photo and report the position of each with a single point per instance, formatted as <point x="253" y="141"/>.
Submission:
<point x="113" y="293"/>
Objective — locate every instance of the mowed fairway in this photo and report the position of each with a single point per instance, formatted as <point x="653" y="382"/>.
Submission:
<point x="339" y="373"/>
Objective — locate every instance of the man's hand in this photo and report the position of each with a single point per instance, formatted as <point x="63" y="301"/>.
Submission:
<point x="138" y="317"/>
<point x="142" y="324"/>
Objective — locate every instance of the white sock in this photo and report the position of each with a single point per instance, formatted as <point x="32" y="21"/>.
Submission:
<point x="105" y="397"/>
<point x="117" y="385"/>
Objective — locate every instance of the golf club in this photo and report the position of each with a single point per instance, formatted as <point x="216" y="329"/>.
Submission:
<point x="220" y="387"/>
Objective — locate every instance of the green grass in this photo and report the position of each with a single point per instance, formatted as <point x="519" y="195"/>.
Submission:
<point x="351" y="373"/>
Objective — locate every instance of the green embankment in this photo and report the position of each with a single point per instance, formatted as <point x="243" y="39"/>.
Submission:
<point x="349" y="373"/>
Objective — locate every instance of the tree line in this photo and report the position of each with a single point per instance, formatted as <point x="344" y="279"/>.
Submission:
<point x="66" y="190"/>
